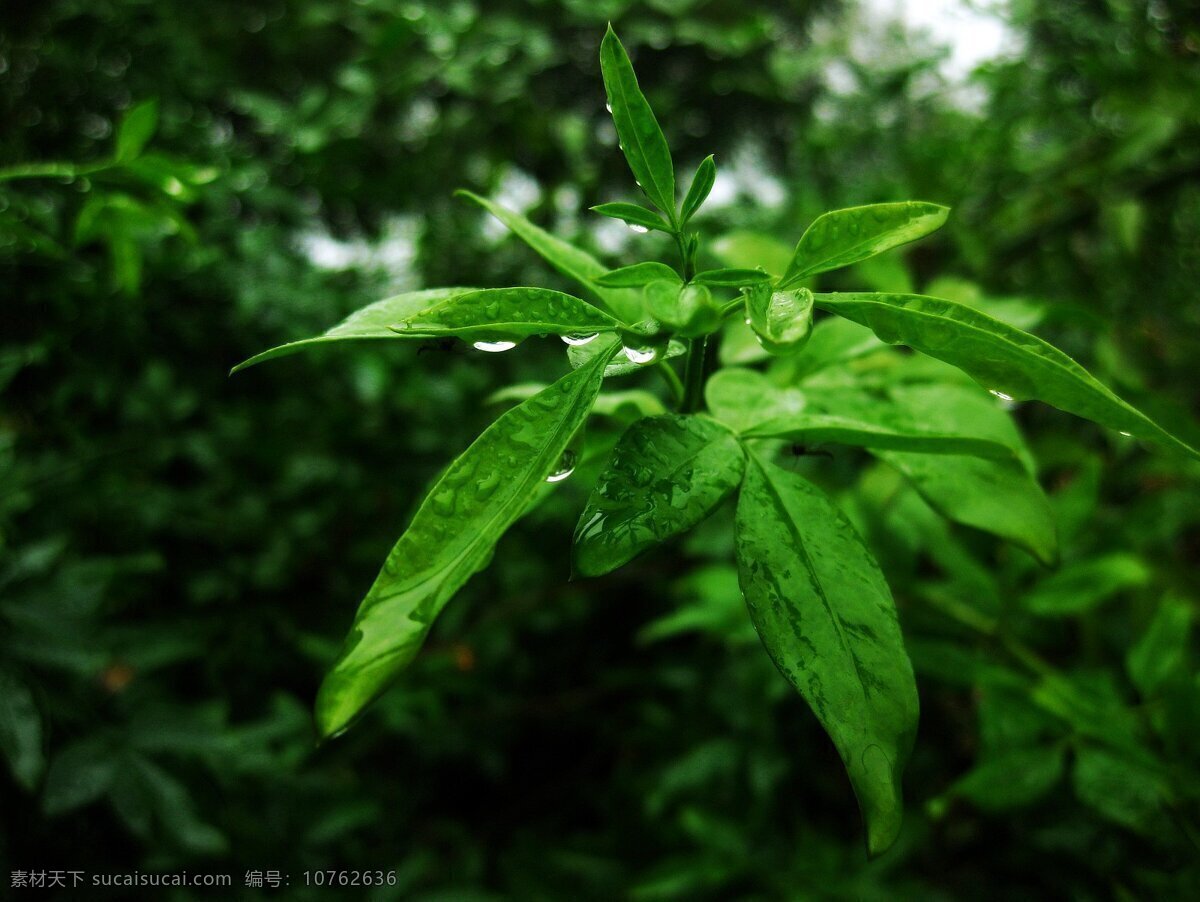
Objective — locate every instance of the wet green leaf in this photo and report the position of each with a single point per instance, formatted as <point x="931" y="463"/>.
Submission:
<point x="641" y="138"/>
<point x="702" y="184"/>
<point x="634" y="215"/>
<point x="842" y="237"/>
<point x="666" y="474"/>
<point x="687" y="310"/>
<point x="782" y="320"/>
<point x="999" y="357"/>
<point x="371" y="322"/>
<point x="1082" y="585"/>
<point x="1162" y="650"/>
<point x="826" y="617"/>
<point x="569" y="260"/>
<point x="834" y="341"/>
<point x="20" y="731"/>
<point x="136" y="130"/>
<point x="623" y="364"/>
<point x="996" y="496"/>
<point x="483" y="492"/>
<point x="498" y="314"/>
<point x="731" y="278"/>
<point x="639" y="274"/>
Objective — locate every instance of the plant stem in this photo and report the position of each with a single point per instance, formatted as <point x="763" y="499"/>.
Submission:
<point x="693" y="375"/>
<point x="672" y="379"/>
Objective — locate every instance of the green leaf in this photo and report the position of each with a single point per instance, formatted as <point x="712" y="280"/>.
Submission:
<point x="1162" y="650"/>
<point x="782" y="320"/>
<point x="622" y="364"/>
<point x="702" y="184"/>
<point x="451" y="537"/>
<point x="634" y="215"/>
<point x="1012" y="779"/>
<point x="641" y="138"/>
<point x="731" y="278"/>
<point x="79" y="774"/>
<point x="637" y="275"/>
<point x="566" y="258"/>
<point x="742" y="398"/>
<point x="884" y="428"/>
<point x="20" y="731"/>
<point x="996" y="496"/>
<point x="1083" y="585"/>
<point x="999" y="357"/>
<point x="834" y="341"/>
<point x="1123" y="790"/>
<point x="748" y="250"/>
<point x="688" y="310"/>
<point x="371" y="322"/>
<point x="958" y="409"/>
<point x="501" y="314"/>
<point x="666" y="474"/>
<point x="842" y="237"/>
<point x="826" y="617"/>
<point x="136" y="130"/>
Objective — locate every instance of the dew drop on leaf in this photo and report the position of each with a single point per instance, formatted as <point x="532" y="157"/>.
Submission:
<point x="640" y="229"/>
<point x="1001" y="395"/>
<point x="578" y="341"/>
<point x="566" y="466"/>
<point x="640" y="356"/>
<point x="494" y="347"/>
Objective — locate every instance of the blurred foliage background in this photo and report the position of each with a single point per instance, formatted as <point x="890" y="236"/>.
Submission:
<point x="181" y="553"/>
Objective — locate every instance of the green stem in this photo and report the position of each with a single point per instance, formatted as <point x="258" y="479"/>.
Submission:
<point x="693" y="375"/>
<point x="672" y="379"/>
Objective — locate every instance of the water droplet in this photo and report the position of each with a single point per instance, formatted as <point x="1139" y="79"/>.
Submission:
<point x="1123" y="432"/>
<point x="495" y="347"/>
<point x="566" y="466"/>
<point x="578" y="341"/>
<point x="608" y="106"/>
<point x="640" y="229"/>
<point x="1001" y="395"/>
<point x="747" y="321"/>
<point x="641" y="356"/>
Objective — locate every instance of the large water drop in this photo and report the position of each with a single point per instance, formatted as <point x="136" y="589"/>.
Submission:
<point x="641" y="356"/>
<point x="640" y="229"/>
<point x="566" y="466"/>
<point x="494" y="347"/>
<point x="578" y="341"/>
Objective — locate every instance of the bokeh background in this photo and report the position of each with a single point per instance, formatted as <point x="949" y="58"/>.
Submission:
<point x="181" y="552"/>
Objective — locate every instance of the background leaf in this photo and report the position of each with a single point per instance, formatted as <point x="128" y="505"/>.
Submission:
<point x="506" y="313"/>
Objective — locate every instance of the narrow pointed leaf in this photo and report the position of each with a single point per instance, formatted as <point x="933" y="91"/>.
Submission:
<point x="996" y="496"/>
<point x="842" y="237"/>
<point x="634" y="215"/>
<point x="997" y="356"/>
<point x="136" y="130"/>
<point x="666" y="474"/>
<point x="637" y="275"/>
<point x="20" y="731"/>
<point x="1082" y="585"/>
<point x="782" y="320"/>
<point x="894" y="433"/>
<point x="641" y="137"/>
<point x="702" y="184"/>
<point x="507" y="313"/>
<point x="827" y="619"/>
<point x="731" y="278"/>
<point x="1162" y="651"/>
<point x="370" y="323"/>
<point x="569" y="260"/>
<point x="451" y="537"/>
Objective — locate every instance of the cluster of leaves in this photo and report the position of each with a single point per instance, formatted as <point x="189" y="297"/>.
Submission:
<point x="815" y="594"/>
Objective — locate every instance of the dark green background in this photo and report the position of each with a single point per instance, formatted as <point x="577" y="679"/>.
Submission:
<point x="181" y="552"/>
